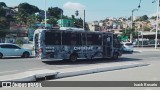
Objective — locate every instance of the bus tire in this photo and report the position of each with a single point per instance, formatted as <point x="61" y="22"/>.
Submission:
<point x="115" y="56"/>
<point x="73" y="57"/>
<point x="1" y="55"/>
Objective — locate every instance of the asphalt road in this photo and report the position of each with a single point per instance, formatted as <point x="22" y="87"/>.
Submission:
<point x="17" y="65"/>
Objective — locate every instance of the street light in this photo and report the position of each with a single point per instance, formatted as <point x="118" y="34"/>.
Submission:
<point x="156" y="22"/>
<point x="131" y="35"/>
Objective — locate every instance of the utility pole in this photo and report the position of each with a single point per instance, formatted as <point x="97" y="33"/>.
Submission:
<point x="157" y="24"/>
<point x="84" y="21"/>
<point x="61" y="17"/>
<point x="45" y="15"/>
<point x="131" y="35"/>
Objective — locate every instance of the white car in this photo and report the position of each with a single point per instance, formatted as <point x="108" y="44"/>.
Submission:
<point x="7" y="49"/>
<point x="127" y="47"/>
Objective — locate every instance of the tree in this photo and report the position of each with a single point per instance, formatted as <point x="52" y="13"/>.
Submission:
<point x="142" y="18"/>
<point x="146" y="28"/>
<point x="31" y="20"/>
<point x="55" y="12"/>
<point x="2" y="10"/>
<point x="128" y="31"/>
<point x="52" y="21"/>
<point x="73" y="17"/>
<point x="154" y="17"/>
<point x="4" y="26"/>
<point x="129" y="18"/>
<point x="4" y="23"/>
<point x="25" y="10"/>
<point x="77" y="13"/>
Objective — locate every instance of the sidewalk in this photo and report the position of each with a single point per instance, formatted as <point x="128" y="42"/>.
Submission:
<point x="141" y="49"/>
<point x="36" y="75"/>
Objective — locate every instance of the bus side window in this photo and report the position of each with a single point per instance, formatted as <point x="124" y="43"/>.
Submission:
<point x="83" y="38"/>
<point x="53" y="38"/>
<point x="76" y="39"/>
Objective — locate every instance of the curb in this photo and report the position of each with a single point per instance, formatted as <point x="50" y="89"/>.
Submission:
<point x="29" y="76"/>
<point x="67" y="73"/>
<point x="40" y="75"/>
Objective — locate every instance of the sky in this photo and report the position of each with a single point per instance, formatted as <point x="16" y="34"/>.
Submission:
<point x="95" y="9"/>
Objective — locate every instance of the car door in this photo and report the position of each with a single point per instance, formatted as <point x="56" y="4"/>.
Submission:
<point x="16" y="51"/>
<point x="6" y="50"/>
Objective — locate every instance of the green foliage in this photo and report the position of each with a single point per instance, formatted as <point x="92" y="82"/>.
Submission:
<point x="2" y="11"/>
<point x="3" y="33"/>
<point x="4" y="26"/>
<point x="56" y="12"/>
<point x="145" y="28"/>
<point x="142" y="18"/>
<point x="154" y="17"/>
<point x="52" y="21"/>
<point x="31" y="19"/>
<point x="19" y="42"/>
<point x="25" y="10"/>
<point x="3" y="4"/>
<point x="128" y="31"/>
<point x="129" y="18"/>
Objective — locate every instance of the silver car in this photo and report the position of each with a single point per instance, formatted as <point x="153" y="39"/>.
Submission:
<point x="7" y="50"/>
<point x="127" y="47"/>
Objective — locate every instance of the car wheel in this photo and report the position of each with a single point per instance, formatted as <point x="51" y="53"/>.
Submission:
<point x="1" y="55"/>
<point x="73" y="58"/>
<point x="26" y="55"/>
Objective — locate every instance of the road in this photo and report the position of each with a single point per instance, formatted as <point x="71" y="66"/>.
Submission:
<point x="145" y="73"/>
<point x="149" y="73"/>
<point x="16" y="65"/>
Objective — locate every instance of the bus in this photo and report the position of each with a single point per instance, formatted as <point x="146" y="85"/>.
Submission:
<point x="55" y="45"/>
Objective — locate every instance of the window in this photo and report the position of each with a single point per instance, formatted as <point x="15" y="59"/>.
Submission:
<point x="5" y="46"/>
<point x="14" y="47"/>
<point x="84" y="39"/>
<point x="10" y="46"/>
<point x="94" y="39"/>
<point x="53" y="38"/>
<point x="71" y="38"/>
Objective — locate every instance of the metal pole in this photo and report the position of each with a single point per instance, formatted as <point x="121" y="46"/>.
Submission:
<point x="84" y="21"/>
<point x="157" y="24"/>
<point x="142" y="34"/>
<point x="131" y="36"/>
<point x="61" y="17"/>
<point x="138" y="39"/>
<point x="45" y="15"/>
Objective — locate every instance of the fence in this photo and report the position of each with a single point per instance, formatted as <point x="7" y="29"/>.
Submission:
<point x="146" y="43"/>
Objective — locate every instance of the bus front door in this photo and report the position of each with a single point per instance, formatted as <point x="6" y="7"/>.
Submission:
<point x="107" y="46"/>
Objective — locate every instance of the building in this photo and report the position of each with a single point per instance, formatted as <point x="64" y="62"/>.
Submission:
<point x="65" y="23"/>
<point x="94" y="26"/>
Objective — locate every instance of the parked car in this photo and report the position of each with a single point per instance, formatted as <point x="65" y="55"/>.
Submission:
<point x="127" y="47"/>
<point x="8" y="49"/>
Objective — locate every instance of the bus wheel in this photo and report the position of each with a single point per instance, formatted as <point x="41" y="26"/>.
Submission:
<point x="73" y="58"/>
<point x="115" y="56"/>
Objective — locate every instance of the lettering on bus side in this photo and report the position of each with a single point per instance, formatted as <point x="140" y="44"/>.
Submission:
<point x="83" y="48"/>
<point x="49" y="49"/>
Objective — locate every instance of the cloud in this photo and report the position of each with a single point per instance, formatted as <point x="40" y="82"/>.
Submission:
<point x="73" y="6"/>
